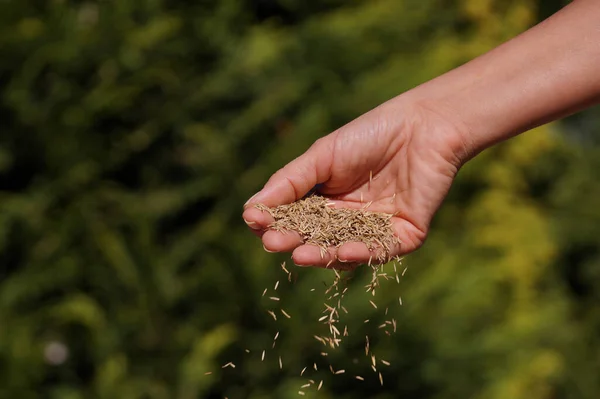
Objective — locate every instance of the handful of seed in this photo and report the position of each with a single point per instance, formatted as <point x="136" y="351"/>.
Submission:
<point x="319" y="223"/>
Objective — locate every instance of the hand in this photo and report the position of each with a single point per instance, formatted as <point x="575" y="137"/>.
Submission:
<point x="414" y="149"/>
<point x="412" y="154"/>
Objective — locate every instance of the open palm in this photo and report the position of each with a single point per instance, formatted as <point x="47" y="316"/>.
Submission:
<point x="398" y="159"/>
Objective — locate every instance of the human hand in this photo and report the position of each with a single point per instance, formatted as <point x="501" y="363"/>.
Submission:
<point x="400" y="158"/>
<point x="414" y="148"/>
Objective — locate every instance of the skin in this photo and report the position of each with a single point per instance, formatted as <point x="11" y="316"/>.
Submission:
<point x="414" y="145"/>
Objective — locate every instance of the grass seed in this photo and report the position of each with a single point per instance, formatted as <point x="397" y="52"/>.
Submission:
<point x="325" y="226"/>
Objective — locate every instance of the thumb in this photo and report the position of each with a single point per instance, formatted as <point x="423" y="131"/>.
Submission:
<point x="298" y="177"/>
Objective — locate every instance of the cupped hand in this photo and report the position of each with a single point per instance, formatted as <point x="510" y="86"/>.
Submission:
<point x="401" y="158"/>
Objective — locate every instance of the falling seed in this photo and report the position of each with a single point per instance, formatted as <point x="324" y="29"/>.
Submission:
<point x="385" y="362"/>
<point x="323" y="318"/>
<point x="358" y="377"/>
<point x="280" y="363"/>
<point x="400" y="300"/>
<point x="302" y="372"/>
<point x="386" y="311"/>
<point x="276" y="336"/>
<point x="284" y="269"/>
<point x="305" y="386"/>
<point x="276" y="285"/>
<point x="404" y="271"/>
<point x="272" y="314"/>
<point x="285" y="314"/>
<point x="312" y="289"/>
<point x="264" y="292"/>
<point x="373" y="304"/>
<point x="247" y="350"/>
<point x="228" y="365"/>
<point x="340" y="372"/>
<point x="315" y="366"/>
<point x="344" y="309"/>
<point x="208" y="373"/>
<point x="274" y="298"/>
<point x="366" y="321"/>
<point x="381" y="379"/>
<point x="323" y="354"/>
<point x="262" y="358"/>
<point x="320" y="385"/>
<point x="300" y="393"/>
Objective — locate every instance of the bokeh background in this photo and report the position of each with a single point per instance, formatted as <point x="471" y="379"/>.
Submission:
<point x="131" y="133"/>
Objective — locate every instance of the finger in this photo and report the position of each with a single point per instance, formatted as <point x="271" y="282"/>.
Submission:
<point x="298" y="177"/>
<point x="311" y="255"/>
<point x="281" y="241"/>
<point x="358" y="252"/>
<point x="257" y="219"/>
<point x="354" y="252"/>
<point x="410" y="236"/>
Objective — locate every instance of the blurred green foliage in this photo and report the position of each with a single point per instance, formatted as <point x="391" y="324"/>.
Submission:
<point x="133" y="131"/>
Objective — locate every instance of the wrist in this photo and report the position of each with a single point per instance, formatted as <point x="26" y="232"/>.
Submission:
<point x="440" y="119"/>
<point x="546" y="73"/>
<point x="474" y="119"/>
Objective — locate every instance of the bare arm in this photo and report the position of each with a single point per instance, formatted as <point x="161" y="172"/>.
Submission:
<point x="546" y="73"/>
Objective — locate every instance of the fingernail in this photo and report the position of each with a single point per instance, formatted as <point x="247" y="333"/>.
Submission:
<point x="251" y="198"/>
<point x="252" y="225"/>
<point x="265" y="248"/>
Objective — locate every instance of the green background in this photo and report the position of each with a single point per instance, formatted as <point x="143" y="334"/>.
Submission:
<point x="131" y="133"/>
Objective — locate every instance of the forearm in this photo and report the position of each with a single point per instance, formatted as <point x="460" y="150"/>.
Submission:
<point x="548" y="72"/>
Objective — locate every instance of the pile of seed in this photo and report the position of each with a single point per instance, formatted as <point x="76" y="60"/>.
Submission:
<point x="319" y="223"/>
